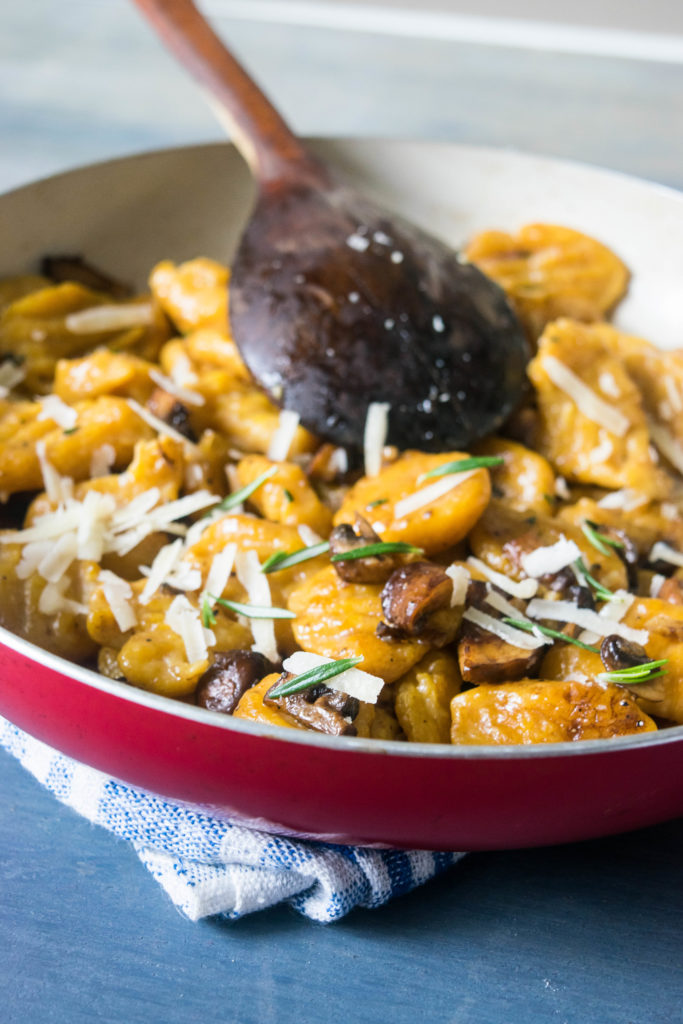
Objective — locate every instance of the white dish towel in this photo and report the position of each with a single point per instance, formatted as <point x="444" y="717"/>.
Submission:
<point x="208" y="866"/>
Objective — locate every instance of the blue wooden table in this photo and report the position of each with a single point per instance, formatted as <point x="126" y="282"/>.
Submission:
<point x="583" y="934"/>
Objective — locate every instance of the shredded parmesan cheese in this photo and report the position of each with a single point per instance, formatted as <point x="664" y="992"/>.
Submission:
<point x="157" y="424"/>
<point x="255" y="582"/>
<point x="58" y="488"/>
<point x="171" y="387"/>
<point x="103" y="458"/>
<point x="283" y="436"/>
<point x="550" y="559"/>
<point x="565" y="611"/>
<point x="184" y="619"/>
<point x="375" y="435"/>
<point x="626" y="499"/>
<point x="524" y="589"/>
<point x="427" y="495"/>
<point x="667" y="444"/>
<point x="53" y="408"/>
<point x="656" y="584"/>
<point x="308" y="535"/>
<point x="219" y="571"/>
<point x="585" y="399"/>
<point x="613" y="611"/>
<point x="110" y="318"/>
<point x="460" y="578"/>
<point x="117" y="593"/>
<point x="356" y="683"/>
<point x="515" y="637"/>
<point x="11" y="374"/>
<point x="662" y="552"/>
<point x="162" y="565"/>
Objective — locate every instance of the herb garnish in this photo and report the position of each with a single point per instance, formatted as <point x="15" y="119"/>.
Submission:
<point x="382" y="547"/>
<point x="635" y="674"/>
<point x="237" y="497"/>
<point x="602" y="543"/>
<point x="286" y="559"/>
<point x="556" y="634"/>
<point x="601" y="592"/>
<point x="253" y="611"/>
<point x="208" y="617"/>
<point x="376" y="502"/>
<point x="319" y="674"/>
<point x="288" y="494"/>
<point x="462" y="465"/>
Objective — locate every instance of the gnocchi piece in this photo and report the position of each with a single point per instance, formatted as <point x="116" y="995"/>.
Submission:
<point x="151" y="655"/>
<point x="525" y="481"/>
<point x="579" y="439"/>
<point x="436" y="525"/>
<point x="252" y="707"/>
<point x="503" y="537"/>
<point x="287" y="497"/>
<point x="544" y="711"/>
<point x="34" y="329"/>
<point x="549" y="272"/>
<point x="193" y="294"/>
<point x="339" y="620"/>
<point x="103" y="372"/>
<point x="424" y="695"/>
<point x="107" y="420"/>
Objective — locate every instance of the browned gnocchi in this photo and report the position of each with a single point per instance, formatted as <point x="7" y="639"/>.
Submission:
<point x="167" y="525"/>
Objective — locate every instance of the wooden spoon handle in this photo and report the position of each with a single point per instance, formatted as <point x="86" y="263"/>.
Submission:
<point x="263" y="138"/>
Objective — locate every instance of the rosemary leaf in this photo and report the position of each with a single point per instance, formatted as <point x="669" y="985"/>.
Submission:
<point x="599" y="541"/>
<point x="463" y="465"/>
<point x="237" y="497"/>
<point x="601" y="592"/>
<point x="286" y="559"/>
<point x="635" y="674"/>
<point x="208" y="617"/>
<point x="388" y="547"/>
<point x="319" y="674"/>
<point x="253" y="611"/>
<point x="556" y="634"/>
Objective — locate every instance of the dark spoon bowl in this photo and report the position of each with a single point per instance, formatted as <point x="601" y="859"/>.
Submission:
<point x="336" y="304"/>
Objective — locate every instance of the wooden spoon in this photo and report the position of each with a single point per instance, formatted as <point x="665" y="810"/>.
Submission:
<point x="336" y="303"/>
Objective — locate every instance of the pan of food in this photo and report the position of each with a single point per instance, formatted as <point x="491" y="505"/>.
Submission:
<point x="470" y="647"/>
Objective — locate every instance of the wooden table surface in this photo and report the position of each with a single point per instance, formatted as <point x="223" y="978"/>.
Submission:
<point x="582" y="934"/>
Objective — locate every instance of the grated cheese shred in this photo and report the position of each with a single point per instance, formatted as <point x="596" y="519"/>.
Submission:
<point x="375" y="435"/>
<point x="356" y="683"/>
<point x="584" y="398"/>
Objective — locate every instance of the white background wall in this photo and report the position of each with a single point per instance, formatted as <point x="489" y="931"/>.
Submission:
<point x="643" y="15"/>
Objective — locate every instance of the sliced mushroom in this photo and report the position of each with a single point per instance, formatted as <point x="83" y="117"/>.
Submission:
<point x="230" y="675"/>
<point x="345" y="538"/>
<point x="486" y="658"/>
<point x="568" y="587"/>
<point x="318" y="708"/>
<point x="167" y="408"/>
<point x="416" y="601"/>
<point x="618" y="653"/>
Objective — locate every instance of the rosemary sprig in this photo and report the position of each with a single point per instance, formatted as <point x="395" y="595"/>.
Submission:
<point x="208" y="617"/>
<point x="237" y="497"/>
<point x="286" y="559"/>
<point x="319" y="674"/>
<point x="288" y="495"/>
<point x="462" y="465"/>
<point x="599" y="541"/>
<point x="376" y="502"/>
<point x="635" y="674"/>
<point x="253" y="611"/>
<point x="388" y="547"/>
<point x="601" y="592"/>
<point x="532" y="627"/>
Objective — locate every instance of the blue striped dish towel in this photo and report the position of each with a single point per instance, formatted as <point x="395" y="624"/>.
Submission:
<point x="208" y="866"/>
